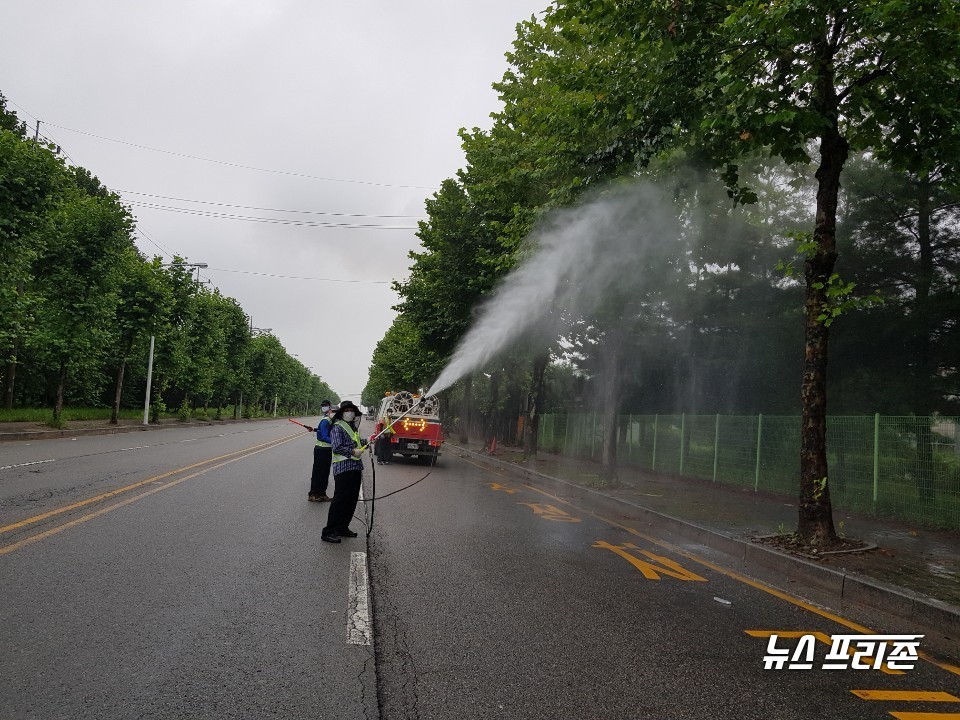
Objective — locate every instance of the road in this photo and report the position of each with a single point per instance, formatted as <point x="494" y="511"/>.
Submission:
<point x="180" y="574"/>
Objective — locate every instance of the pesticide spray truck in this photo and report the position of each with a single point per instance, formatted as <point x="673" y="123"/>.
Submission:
<point x="417" y="431"/>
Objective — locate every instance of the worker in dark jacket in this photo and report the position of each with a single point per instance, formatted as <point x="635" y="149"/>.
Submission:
<point x="322" y="456"/>
<point x="348" y="448"/>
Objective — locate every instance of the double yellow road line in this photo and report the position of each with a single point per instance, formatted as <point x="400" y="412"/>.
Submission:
<point x="207" y="466"/>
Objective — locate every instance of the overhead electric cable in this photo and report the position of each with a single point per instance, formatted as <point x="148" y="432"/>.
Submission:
<point x="298" y="277"/>
<point x="23" y="109"/>
<point x="239" y="165"/>
<point x="157" y="245"/>
<point x="271" y="221"/>
<point x="280" y="210"/>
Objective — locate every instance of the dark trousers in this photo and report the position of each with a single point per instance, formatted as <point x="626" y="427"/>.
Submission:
<point x="383" y="448"/>
<point x="322" y="456"/>
<point x="344" y="504"/>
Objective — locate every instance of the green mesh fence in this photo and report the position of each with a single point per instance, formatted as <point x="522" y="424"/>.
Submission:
<point x="901" y="467"/>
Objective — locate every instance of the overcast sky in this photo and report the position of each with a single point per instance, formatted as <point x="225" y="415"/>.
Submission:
<point x="368" y="92"/>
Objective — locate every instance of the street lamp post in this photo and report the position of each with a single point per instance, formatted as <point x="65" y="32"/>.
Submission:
<point x="198" y="266"/>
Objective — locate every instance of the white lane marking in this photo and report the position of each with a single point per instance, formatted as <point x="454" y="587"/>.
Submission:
<point x="358" y="606"/>
<point x="190" y="440"/>
<point x="138" y="447"/>
<point x="35" y="462"/>
<point x="361" y="493"/>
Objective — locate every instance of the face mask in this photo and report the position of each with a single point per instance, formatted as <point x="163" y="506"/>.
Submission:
<point x="324" y="409"/>
<point x="349" y="416"/>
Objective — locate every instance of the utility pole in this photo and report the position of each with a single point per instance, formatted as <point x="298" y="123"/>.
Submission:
<point x="36" y="133"/>
<point x="146" y="400"/>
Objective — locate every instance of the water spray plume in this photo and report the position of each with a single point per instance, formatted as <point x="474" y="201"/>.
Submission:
<point x="577" y="258"/>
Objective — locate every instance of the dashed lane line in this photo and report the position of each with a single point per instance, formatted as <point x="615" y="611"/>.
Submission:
<point x="26" y="464"/>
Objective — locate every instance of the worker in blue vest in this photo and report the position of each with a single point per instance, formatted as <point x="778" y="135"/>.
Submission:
<point x="348" y="448"/>
<point x="322" y="455"/>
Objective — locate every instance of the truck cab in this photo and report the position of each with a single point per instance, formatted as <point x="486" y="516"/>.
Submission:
<point x="416" y="430"/>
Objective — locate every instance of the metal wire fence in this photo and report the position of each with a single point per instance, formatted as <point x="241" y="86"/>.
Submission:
<point x="901" y="467"/>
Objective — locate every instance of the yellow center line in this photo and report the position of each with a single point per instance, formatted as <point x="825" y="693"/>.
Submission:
<point x="742" y="578"/>
<point x="906" y="695"/>
<point x="104" y="496"/>
<point x="7" y="549"/>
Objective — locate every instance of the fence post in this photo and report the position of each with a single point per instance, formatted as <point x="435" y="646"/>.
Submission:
<point x="653" y="464"/>
<point x="716" y="446"/>
<point x="683" y="425"/>
<point x="756" y="475"/>
<point x="876" y="456"/>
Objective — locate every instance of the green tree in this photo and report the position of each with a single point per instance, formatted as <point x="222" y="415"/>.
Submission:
<point x="143" y="307"/>
<point x="397" y="363"/>
<point x="730" y="79"/>
<point x="30" y="180"/>
<point x="76" y="280"/>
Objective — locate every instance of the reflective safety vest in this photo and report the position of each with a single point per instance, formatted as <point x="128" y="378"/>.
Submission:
<point x="321" y="443"/>
<point x="353" y="434"/>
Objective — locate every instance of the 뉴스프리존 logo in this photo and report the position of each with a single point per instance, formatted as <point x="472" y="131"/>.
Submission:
<point x="847" y="652"/>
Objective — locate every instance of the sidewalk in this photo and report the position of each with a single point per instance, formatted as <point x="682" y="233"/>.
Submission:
<point x="922" y="564"/>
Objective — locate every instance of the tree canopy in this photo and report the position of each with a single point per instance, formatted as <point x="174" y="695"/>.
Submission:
<point x="772" y="104"/>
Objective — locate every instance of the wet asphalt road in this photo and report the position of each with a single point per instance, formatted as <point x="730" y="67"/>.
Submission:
<point x="211" y="596"/>
<point x="495" y="598"/>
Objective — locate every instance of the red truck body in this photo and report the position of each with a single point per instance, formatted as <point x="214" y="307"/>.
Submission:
<point x="419" y="432"/>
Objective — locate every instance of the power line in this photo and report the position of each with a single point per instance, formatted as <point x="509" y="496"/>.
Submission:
<point x="297" y="277"/>
<point x="238" y="165"/>
<point x="279" y="210"/>
<point x="155" y="243"/>
<point x="23" y="109"/>
<point x="270" y="221"/>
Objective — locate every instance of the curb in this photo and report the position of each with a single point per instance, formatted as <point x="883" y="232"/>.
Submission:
<point x="940" y="619"/>
<point x="80" y="432"/>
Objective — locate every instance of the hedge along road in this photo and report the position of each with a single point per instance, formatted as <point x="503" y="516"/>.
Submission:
<point x="181" y="579"/>
<point x="497" y="597"/>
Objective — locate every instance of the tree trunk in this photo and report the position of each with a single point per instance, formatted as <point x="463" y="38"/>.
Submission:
<point x="61" y="384"/>
<point x="610" y="396"/>
<point x="466" y="412"/>
<point x="117" y="392"/>
<point x="531" y="436"/>
<point x="494" y="419"/>
<point x="11" y="377"/>
<point x="12" y="365"/>
<point x="815" y="510"/>
<point x="923" y="361"/>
